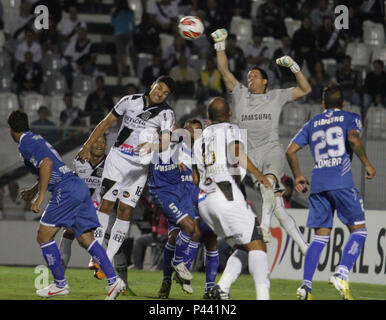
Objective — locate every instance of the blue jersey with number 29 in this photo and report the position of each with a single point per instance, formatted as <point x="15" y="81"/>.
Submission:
<point x="326" y="134"/>
<point x="34" y="149"/>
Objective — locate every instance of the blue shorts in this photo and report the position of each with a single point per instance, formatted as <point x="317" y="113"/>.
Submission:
<point x="347" y="202"/>
<point x="71" y="206"/>
<point x="175" y="202"/>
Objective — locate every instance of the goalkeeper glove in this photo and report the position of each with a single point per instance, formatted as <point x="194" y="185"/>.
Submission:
<point x="219" y="37"/>
<point x="287" y="61"/>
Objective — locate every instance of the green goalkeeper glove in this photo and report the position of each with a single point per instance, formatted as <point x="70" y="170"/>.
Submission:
<point x="219" y="37"/>
<point x="287" y="61"/>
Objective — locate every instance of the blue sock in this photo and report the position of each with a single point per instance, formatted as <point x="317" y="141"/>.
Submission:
<point x="52" y="256"/>
<point x="182" y="242"/>
<point x="191" y="253"/>
<point x="211" y="267"/>
<point x="99" y="255"/>
<point x="351" y="252"/>
<point x="312" y="259"/>
<point x="167" y="268"/>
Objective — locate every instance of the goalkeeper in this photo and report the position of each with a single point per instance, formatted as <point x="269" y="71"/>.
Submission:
<point x="258" y="111"/>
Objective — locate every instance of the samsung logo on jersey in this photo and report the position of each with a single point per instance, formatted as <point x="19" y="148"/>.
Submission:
<point x="256" y="116"/>
<point x="323" y="122"/>
<point x="166" y="167"/>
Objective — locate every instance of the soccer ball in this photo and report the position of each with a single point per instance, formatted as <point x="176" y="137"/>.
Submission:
<point x="190" y="27"/>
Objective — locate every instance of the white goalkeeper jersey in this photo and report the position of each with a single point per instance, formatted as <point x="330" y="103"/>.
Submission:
<point x="260" y="114"/>
<point x="213" y="155"/>
<point x="92" y="176"/>
<point x="140" y="124"/>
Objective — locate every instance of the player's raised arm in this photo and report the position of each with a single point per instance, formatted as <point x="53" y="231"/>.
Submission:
<point x="357" y="146"/>
<point x="100" y="129"/>
<point x="292" y="158"/>
<point x="219" y="37"/>
<point x="303" y="88"/>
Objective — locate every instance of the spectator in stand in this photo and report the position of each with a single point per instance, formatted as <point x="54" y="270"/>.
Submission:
<point x="31" y="45"/>
<point x="355" y="31"/>
<point x="173" y="53"/>
<point x="45" y="127"/>
<point x="328" y="40"/>
<point x="15" y="28"/>
<point x="99" y="102"/>
<point x="318" y="80"/>
<point x="216" y="16"/>
<point x="146" y="37"/>
<point x="164" y="14"/>
<point x="28" y="75"/>
<point x="269" y="20"/>
<point x="241" y="8"/>
<point x="72" y="115"/>
<point x="130" y="89"/>
<point x="210" y="81"/>
<point x="284" y="74"/>
<point x="123" y="22"/>
<point x="305" y="11"/>
<point x="319" y="13"/>
<point x="350" y="80"/>
<point x="235" y="56"/>
<point x="76" y="54"/>
<point x="304" y="44"/>
<point x="69" y="25"/>
<point x="373" y="10"/>
<point x="158" y="235"/>
<point x="50" y="38"/>
<point x="153" y="71"/>
<point x="186" y="79"/>
<point x="375" y="84"/>
<point x="256" y="53"/>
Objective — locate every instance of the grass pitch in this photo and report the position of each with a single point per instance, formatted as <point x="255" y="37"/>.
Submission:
<point x="18" y="283"/>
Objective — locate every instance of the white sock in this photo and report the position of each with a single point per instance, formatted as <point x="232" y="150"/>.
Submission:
<point x="119" y="232"/>
<point x="99" y="233"/>
<point x="65" y="251"/>
<point x="232" y="269"/>
<point x="258" y="268"/>
<point x="289" y="224"/>
<point x="269" y="204"/>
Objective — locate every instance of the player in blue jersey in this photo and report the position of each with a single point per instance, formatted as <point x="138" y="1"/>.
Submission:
<point x="70" y="206"/>
<point x="333" y="137"/>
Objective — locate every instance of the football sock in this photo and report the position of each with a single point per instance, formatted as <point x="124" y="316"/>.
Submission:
<point x="351" y="252"/>
<point x="119" y="232"/>
<point x="167" y="268"/>
<point x="99" y="255"/>
<point x="191" y="253"/>
<point x="99" y="232"/>
<point x="211" y="267"/>
<point x="65" y="251"/>
<point x="182" y="243"/>
<point x="232" y="269"/>
<point x="269" y="204"/>
<point x="258" y="268"/>
<point x="289" y="224"/>
<point x="51" y="254"/>
<point x="312" y="259"/>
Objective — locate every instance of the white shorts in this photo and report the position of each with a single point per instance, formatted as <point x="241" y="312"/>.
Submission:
<point x="269" y="162"/>
<point x="123" y="179"/>
<point x="231" y="220"/>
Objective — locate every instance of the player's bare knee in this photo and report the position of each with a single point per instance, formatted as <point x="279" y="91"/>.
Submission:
<point x="210" y="241"/>
<point x="256" y="245"/>
<point x="68" y="234"/>
<point x="197" y="235"/>
<point x="357" y="227"/>
<point x="106" y="206"/>
<point x="173" y="236"/>
<point x="124" y="212"/>
<point x="188" y="226"/>
<point x="86" y="239"/>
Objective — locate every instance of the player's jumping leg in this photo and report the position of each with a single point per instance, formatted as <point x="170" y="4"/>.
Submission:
<point x="98" y="253"/>
<point x="350" y="254"/>
<point x="322" y="235"/>
<point x="51" y="254"/>
<point x="289" y="224"/>
<point x="269" y="205"/>
<point x="65" y="246"/>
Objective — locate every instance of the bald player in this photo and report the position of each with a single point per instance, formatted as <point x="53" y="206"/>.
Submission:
<point x="218" y="155"/>
<point x="258" y="111"/>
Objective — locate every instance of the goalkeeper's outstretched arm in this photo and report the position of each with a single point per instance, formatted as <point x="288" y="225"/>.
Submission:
<point x="219" y="37"/>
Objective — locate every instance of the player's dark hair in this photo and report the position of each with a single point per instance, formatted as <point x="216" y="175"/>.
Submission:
<point x="169" y="81"/>
<point x="18" y="121"/>
<point x="333" y="96"/>
<point x="193" y="121"/>
<point x="263" y="74"/>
